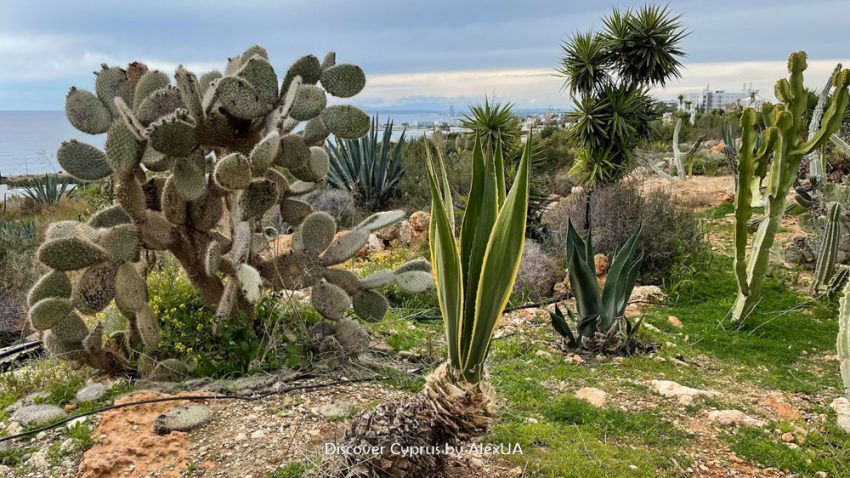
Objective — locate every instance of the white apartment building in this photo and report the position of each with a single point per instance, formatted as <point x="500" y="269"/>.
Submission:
<point x="708" y="99"/>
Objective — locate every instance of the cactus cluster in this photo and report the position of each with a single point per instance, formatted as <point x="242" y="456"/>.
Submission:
<point x="783" y="147"/>
<point x="205" y="168"/>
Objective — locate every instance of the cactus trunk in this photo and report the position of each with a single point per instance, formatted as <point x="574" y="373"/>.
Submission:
<point x="844" y="338"/>
<point x="829" y="249"/>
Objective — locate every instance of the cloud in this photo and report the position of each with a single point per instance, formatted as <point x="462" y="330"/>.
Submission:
<point x="540" y="87"/>
<point x="43" y="57"/>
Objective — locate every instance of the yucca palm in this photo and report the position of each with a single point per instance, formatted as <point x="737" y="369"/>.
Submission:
<point x="369" y="169"/>
<point x="474" y="272"/>
<point x="495" y="123"/>
<point x="607" y="75"/>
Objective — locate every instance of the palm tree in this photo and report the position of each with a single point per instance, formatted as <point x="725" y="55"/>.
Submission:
<point x="608" y="75"/>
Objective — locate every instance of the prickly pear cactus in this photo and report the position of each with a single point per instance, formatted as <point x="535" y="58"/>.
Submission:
<point x="196" y="165"/>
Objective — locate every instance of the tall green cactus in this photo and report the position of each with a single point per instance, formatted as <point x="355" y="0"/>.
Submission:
<point x="817" y="159"/>
<point x="783" y="140"/>
<point x="828" y="249"/>
<point x="843" y="344"/>
<point x="199" y="169"/>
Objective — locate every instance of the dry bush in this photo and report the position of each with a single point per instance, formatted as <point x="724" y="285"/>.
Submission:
<point x="537" y="273"/>
<point x="338" y="203"/>
<point x="670" y="230"/>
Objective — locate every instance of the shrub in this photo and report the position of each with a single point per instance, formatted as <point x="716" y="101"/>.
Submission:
<point x="220" y="346"/>
<point x="457" y="151"/>
<point x="338" y="203"/>
<point x="670" y="230"/>
<point x="537" y="273"/>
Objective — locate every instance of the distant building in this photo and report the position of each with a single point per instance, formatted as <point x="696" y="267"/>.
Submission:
<point x="708" y="100"/>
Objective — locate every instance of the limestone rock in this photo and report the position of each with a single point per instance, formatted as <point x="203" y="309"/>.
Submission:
<point x="419" y="223"/>
<point x="842" y="408"/>
<point x="32" y="414"/>
<point x="684" y="395"/>
<point x="674" y="321"/>
<point x="90" y="393"/>
<point x="733" y="417"/>
<point x="593" y="396"/>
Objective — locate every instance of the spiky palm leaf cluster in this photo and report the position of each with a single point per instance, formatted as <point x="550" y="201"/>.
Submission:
<point x="366" y="167"/>
<point x="494" y="123"/>
<point x="203" y="169"/>
<point x="608" y="74"/>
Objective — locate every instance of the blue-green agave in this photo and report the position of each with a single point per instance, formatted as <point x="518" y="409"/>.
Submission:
<point x="366" y="167"/>
<point x="600" y="313"/>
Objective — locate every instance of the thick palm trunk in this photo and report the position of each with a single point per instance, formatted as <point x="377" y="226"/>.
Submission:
<point x="409" y="439"/>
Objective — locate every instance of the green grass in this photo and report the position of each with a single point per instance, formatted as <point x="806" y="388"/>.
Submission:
<point x="291" y="470"/>
<point x="829" y="452"/>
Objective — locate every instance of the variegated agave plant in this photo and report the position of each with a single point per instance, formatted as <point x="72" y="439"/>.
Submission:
<point x="474" y="273"/>
<point x="601" y="324"/>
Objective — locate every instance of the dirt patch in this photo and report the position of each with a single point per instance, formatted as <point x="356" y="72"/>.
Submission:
<point x="126" y="445"/>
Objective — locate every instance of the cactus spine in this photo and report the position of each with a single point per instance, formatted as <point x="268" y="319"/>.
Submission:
<point x="783" y="139"/>
<point x="197" y="169"/>
<point x="828" y="249"/>
<point x="844" y="338"/>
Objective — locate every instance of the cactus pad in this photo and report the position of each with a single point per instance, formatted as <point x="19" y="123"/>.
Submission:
<point x="83" y="161"/>
<point x="182" y="419"/>
<point x="48" y="312"/>
<point x="70" y="254"/>
<point x="330" y="300"/>
<point x="86" y="112"/>
<point x="345" y="121"/>
<point x="370" y="305"/>
<point x="233" y="172"/>
<point x="344" y="80"/>
<point x="53" y="284"/>
<point x="95" y="288"/>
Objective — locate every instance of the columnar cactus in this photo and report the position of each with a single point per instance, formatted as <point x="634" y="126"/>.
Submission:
<point x="828" y="249"/>
<point x="816" y="159"/>
<point x="844" y="337"/>
<point x="784" y="141"/>
<point x="199" y="168"/>
<point x="678" y="156"/>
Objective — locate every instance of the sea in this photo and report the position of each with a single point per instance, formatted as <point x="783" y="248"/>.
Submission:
<point x="29" y="139"/>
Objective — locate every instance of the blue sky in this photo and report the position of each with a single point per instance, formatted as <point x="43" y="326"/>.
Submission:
<point x="440" y="51"/>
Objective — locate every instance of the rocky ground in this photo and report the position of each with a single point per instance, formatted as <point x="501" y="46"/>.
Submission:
<point x="701" y="404"/>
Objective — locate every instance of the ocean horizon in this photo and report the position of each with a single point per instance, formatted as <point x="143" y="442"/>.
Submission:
<point x="29" y="139"/>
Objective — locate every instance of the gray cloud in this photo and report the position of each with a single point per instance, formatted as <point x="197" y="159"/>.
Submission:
<point x="46" y="46"/>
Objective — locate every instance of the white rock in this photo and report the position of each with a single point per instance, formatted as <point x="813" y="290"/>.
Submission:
<point x="336" y="409"/>
<point x="67" y="446"/>
<point x="91" y="392"/>
<point x="733" y="417"/>
<point x="31" y="414"/>
<point x="842" y="408"/>
<point x="685" y="395"/>
<point x="39" y="459"/>
<point x="593" y="396"/>
<point x="375" y="243"/>
<point x="75" y="422"/>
